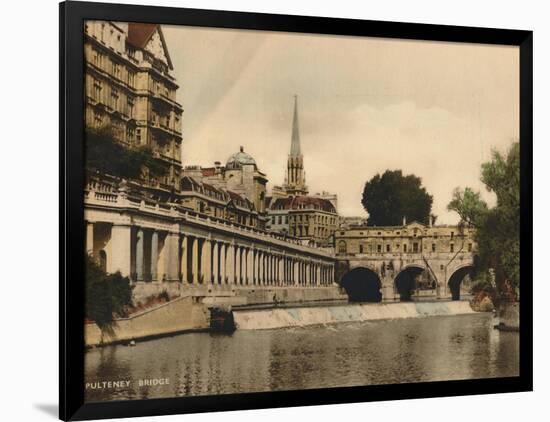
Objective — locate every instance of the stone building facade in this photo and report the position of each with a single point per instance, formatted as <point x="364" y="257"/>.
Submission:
<point x="290" y="208"/>
<point x="304" y="217"/>
<point x="402" y="262"/>
<point x="208" y="200"/>
<point x="242" y="182"/>
<point x="409" y="238"/>
<point x="130" y="88"/>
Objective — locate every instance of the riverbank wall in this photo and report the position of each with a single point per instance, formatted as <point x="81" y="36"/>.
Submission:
<point x="263" y="319"/>
<point x="191" y="311"/>
<point x="179" y="315"/>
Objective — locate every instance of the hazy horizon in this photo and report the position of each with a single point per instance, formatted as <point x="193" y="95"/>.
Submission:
<point x="365" y="105"/>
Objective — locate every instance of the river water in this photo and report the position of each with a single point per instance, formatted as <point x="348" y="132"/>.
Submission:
<point x="362" y="353"/>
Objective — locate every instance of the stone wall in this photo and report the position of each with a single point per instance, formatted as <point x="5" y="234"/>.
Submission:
<point x="182" y="314"/>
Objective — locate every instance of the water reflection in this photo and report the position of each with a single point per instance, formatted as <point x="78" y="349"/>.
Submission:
<point x="410" y="350"/>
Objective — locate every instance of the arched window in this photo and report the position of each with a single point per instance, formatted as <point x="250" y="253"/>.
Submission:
<point x="341" y="247"/>
<point x="103" y="260"/>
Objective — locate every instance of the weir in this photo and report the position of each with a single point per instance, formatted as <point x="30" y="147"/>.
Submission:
<point x="263" y="319"/>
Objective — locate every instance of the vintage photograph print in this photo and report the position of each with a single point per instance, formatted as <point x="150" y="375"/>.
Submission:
<point x="274" y="211"/>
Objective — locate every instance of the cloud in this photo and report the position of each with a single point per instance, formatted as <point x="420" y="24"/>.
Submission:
<point x="365" y="105"/>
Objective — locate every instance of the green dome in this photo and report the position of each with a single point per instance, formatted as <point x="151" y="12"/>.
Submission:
<point x="240" y="159"/>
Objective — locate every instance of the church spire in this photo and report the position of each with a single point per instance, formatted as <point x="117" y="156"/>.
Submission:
<point x="295" y="150"/>
<point x="295" y="183"/>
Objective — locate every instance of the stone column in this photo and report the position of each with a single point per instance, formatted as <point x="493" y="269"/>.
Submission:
<point x="230" y="264"/>
<point x="281" y="270"/>
<point x="244" y="267"/>
<point x="318" y="275"/>
<point x="154" y="254"/>
<point x="249" y="266"/>
<point x="206" y="259"/>
<point x="90" y="238"/>
<point x="183" y="261"/>
<point x="222" y="263"/>
<point x="295" y="273"/>
<point x="215" y="263"/>
<point x="261" y="268"/>
<point x="254" y="266"/>
<point x="171" y="256"/>
<point x="139" y="254"/>
<point x="120" y="259"/>
<point x="195" y="261"/>
<point x="270" y="269"/>
<point x="238" y="251"/>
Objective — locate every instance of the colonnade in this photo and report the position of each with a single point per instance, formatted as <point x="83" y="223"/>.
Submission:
<point x="204" y="260"/>
<point x="156" y="255"/>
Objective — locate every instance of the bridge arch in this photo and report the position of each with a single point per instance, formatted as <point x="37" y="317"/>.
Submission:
<point x="457" y="277"/>
<point x="405" y="281"/>
<point x="362" y="284"/>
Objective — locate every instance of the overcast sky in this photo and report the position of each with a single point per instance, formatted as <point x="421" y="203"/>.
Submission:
<point x="365" y="105"/>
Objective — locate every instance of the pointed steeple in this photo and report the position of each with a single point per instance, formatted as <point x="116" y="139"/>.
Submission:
<point x="295" y="183"/>
<point x="295" y="149"/>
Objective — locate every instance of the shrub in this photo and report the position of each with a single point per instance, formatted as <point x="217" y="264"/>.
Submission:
<point x="107" y="295"/>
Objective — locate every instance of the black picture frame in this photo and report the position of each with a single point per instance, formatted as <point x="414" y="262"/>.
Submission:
<point x="72" y="229"/>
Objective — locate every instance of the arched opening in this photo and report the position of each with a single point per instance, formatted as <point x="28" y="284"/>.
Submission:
<point x="362" y="285"/>
<point x="406" y="282"/>
<point x="103" y="260"/>
<point x="457" y="281"/>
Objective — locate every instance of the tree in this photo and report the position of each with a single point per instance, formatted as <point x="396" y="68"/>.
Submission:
<point x="391" y="196"/>
<point x="497" y="229"/>
<point x="107" y="295"/>
<point x="106" y="155"/>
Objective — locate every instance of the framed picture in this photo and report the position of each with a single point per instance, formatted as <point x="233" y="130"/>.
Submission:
<point x="265" y="210"/>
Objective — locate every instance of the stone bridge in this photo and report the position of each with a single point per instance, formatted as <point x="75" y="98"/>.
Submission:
<point x="405" y="276"/>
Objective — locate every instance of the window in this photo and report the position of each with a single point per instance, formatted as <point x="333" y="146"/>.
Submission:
<point x="415" y="247"/>
<point x="130" y="134"/>
<point x="379" y="248"/>
<point x="452" y="235"/>
<point x="387" y="248"/>
<point x="131" y="77"/>
<point x="96" y="92"/>
<point x="433" y="247"/>
<point x="405" y="248"/>
<point x="131" y="104"/>
<point x="469" y="247"/>
<point x="116" y="70"/>
<point x="98" y="118"/>
<point x="97" y="58"/>
<point x="452" y="247"/>
<point x="360" y="248"/>
<point x="114" y="99"/>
